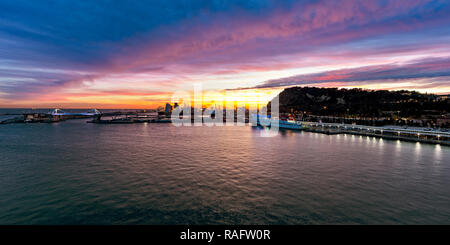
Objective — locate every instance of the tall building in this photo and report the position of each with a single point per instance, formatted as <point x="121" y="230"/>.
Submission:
<point x="168" y="109"/>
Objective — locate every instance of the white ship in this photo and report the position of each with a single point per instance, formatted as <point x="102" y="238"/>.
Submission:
<point x="262" y="120"/>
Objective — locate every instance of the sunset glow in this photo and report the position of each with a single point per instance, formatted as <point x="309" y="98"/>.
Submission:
<point x="95" y="54"/>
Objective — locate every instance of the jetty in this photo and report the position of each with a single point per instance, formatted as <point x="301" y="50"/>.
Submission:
<point x="129" y="118"/>
<point x="58" y="115"/>
<point x="415" y="134"/>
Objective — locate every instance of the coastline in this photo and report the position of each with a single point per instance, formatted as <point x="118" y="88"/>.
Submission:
<point x="422" y="135"/>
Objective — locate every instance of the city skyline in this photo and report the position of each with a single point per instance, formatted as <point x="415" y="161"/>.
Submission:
<point x="114" y="54"/>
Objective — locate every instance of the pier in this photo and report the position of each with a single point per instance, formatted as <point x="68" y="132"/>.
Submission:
<point x="425" y="135"/>
<point x="58" y="115"/>
<point x="415" y="134"/>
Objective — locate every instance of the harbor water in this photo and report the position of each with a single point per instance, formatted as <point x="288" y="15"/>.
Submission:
<point x="75" y="172"/>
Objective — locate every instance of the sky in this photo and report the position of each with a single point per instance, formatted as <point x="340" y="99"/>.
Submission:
<point x="136" y="54"/>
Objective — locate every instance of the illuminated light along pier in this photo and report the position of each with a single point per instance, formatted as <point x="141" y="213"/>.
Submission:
<point x="425" y="135"/>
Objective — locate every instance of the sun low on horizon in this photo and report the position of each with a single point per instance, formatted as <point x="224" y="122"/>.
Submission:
<point x="137" y="54"/>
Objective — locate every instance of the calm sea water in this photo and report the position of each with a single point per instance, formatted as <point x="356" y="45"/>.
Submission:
<point x="79" y="173"/>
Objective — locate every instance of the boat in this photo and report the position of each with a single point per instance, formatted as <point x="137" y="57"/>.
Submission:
<point x="113" y="121"/>
<point x="282" y="123"/>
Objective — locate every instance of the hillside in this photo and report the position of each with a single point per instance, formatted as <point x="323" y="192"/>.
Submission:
<point x="362" y="103"/>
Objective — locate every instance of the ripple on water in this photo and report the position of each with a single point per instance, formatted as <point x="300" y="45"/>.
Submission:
<point x="79" y="173"/>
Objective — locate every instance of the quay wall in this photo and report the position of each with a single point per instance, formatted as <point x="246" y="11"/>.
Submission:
<point x="384" y="136"/>
<point x="404" y="135"/>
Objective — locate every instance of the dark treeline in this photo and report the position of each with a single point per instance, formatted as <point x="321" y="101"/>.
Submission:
<point x="355" y="103"/>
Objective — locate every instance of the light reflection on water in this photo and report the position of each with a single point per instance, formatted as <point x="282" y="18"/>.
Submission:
<point x="78" y="173"/>
<point x="438" y="153"/>
<point x="417" y="150"/>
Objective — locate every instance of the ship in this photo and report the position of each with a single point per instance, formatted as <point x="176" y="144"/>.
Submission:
<point x="283" y="122"/>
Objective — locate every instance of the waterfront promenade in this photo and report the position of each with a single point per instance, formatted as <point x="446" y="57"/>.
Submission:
<point x="416" y="134"/>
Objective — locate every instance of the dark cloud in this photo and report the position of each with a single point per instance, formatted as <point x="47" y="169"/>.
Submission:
<point x="418" y="69"/>
<point x="46" y="45"/>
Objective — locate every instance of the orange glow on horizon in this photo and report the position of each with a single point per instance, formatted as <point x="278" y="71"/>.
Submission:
<point x="244" y="97"/>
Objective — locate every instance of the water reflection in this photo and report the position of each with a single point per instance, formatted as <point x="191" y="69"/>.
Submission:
<point x="159" y="174"/>
<point x="417" y="153"/>
<point x="438" y="153"/>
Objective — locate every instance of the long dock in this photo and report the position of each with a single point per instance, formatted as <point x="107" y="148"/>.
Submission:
<point x="415" y="134"/>
<point x="425" y="135"/>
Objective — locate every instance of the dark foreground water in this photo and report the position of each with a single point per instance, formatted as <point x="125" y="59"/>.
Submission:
<point x="79" y="173"/>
